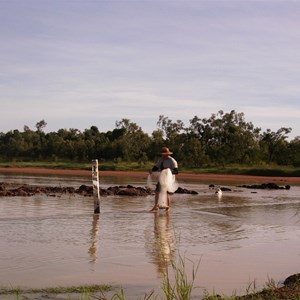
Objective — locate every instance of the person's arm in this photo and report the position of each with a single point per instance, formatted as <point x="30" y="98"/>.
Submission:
<point x="175" y="171"/>
<point x="154" y="169"/>
<point x="157" y="166"/>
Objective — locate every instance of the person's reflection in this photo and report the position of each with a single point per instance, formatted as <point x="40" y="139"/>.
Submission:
<point x="94" y="239"/>
<point x="164" y="241"/>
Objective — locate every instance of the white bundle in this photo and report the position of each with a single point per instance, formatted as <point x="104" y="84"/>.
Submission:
<point x="168" y="184"/>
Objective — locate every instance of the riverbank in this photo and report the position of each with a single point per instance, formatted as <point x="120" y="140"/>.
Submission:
<point x="211" y="178"/>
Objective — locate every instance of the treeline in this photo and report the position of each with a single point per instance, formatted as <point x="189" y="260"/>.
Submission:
<point x="222" y="139"/>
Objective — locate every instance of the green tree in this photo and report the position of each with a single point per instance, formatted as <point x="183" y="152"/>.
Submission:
<point x="274" y="145"/>
<point x="193" y="154"/>
<point x="294" y="152"/>
<point x="157" y="142"/>
<point x="226" y="137"/>
<point x="223" y="138"/>
<point x="134" y="142"/>
<point x="41" y="125"/>
<point x="172" y="132"/>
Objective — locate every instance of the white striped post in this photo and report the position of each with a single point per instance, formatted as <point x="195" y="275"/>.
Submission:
<point x="96" y="191"/>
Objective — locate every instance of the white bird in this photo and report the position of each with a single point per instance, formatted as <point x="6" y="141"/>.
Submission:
<point x="218" y="192"/>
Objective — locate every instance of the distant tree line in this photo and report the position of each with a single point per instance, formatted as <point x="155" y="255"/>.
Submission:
<point x="220" y="140"/>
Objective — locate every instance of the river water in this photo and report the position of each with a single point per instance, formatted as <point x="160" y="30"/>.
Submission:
<point x="245" y="237"/>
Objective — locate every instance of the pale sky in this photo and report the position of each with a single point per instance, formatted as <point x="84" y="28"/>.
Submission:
<point x="83" y="63"/>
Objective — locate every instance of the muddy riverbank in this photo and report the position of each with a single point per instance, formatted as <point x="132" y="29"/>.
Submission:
<point x="191" y="176"/>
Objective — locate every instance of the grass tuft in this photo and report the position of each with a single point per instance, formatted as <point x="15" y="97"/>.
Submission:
<point x="180" y="288"/>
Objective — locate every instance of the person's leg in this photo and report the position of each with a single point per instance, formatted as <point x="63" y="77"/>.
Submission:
<point x="157" y="190"/>
<point x="169" y="201"/>
<point x="155" y="207"/>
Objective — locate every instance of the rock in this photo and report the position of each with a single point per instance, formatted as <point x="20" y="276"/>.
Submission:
<point x="13" y="190"/>
<point x="185" y="191"/>
<point x="225" y="189"/>
<point x="293" y="279"/>
<point x="129" y="192"/>
<point x="84" y="189"/>
<point x="270" y="186"/>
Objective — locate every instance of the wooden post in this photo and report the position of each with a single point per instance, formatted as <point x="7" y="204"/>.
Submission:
<point x="96" y="192"/>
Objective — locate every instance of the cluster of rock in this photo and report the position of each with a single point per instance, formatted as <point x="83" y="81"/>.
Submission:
<point x="270" y="186"/>
<point x="127" y="190"/>
<point x="13" y="190"/>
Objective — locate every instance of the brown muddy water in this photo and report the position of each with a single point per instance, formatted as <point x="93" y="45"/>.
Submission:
<point x="243" y="237"/>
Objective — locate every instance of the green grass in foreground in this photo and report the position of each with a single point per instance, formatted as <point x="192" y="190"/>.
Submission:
<point x="175" y="286"/>
<point x="57" y="290"/>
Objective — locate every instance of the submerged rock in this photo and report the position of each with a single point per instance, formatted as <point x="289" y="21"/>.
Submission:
<point x="270" y="186"/>
<point x="185" y="191"/>
<point x="14" y="190"/>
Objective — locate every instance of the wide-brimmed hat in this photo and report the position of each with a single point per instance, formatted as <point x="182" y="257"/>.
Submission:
<point x="165" y="151"/>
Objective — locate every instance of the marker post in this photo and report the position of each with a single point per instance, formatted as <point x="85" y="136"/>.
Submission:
<point x="96" y="191"/>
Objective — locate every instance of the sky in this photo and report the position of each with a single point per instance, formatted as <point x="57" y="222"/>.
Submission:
<point x="83" y="63"/>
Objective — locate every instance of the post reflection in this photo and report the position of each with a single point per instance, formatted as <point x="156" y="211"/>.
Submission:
<point x="93" y="249"/>
<point x="164" y="241"/>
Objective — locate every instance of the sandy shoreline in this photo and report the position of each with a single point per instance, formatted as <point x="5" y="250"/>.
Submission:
<point x="191" y="176"/>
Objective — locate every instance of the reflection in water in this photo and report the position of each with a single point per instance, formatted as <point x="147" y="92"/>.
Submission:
<point x="164" y="241"/>
<point x="94" y="239"/>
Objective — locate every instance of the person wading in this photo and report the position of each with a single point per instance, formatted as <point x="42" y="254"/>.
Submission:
<point x="166" y="161"/>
